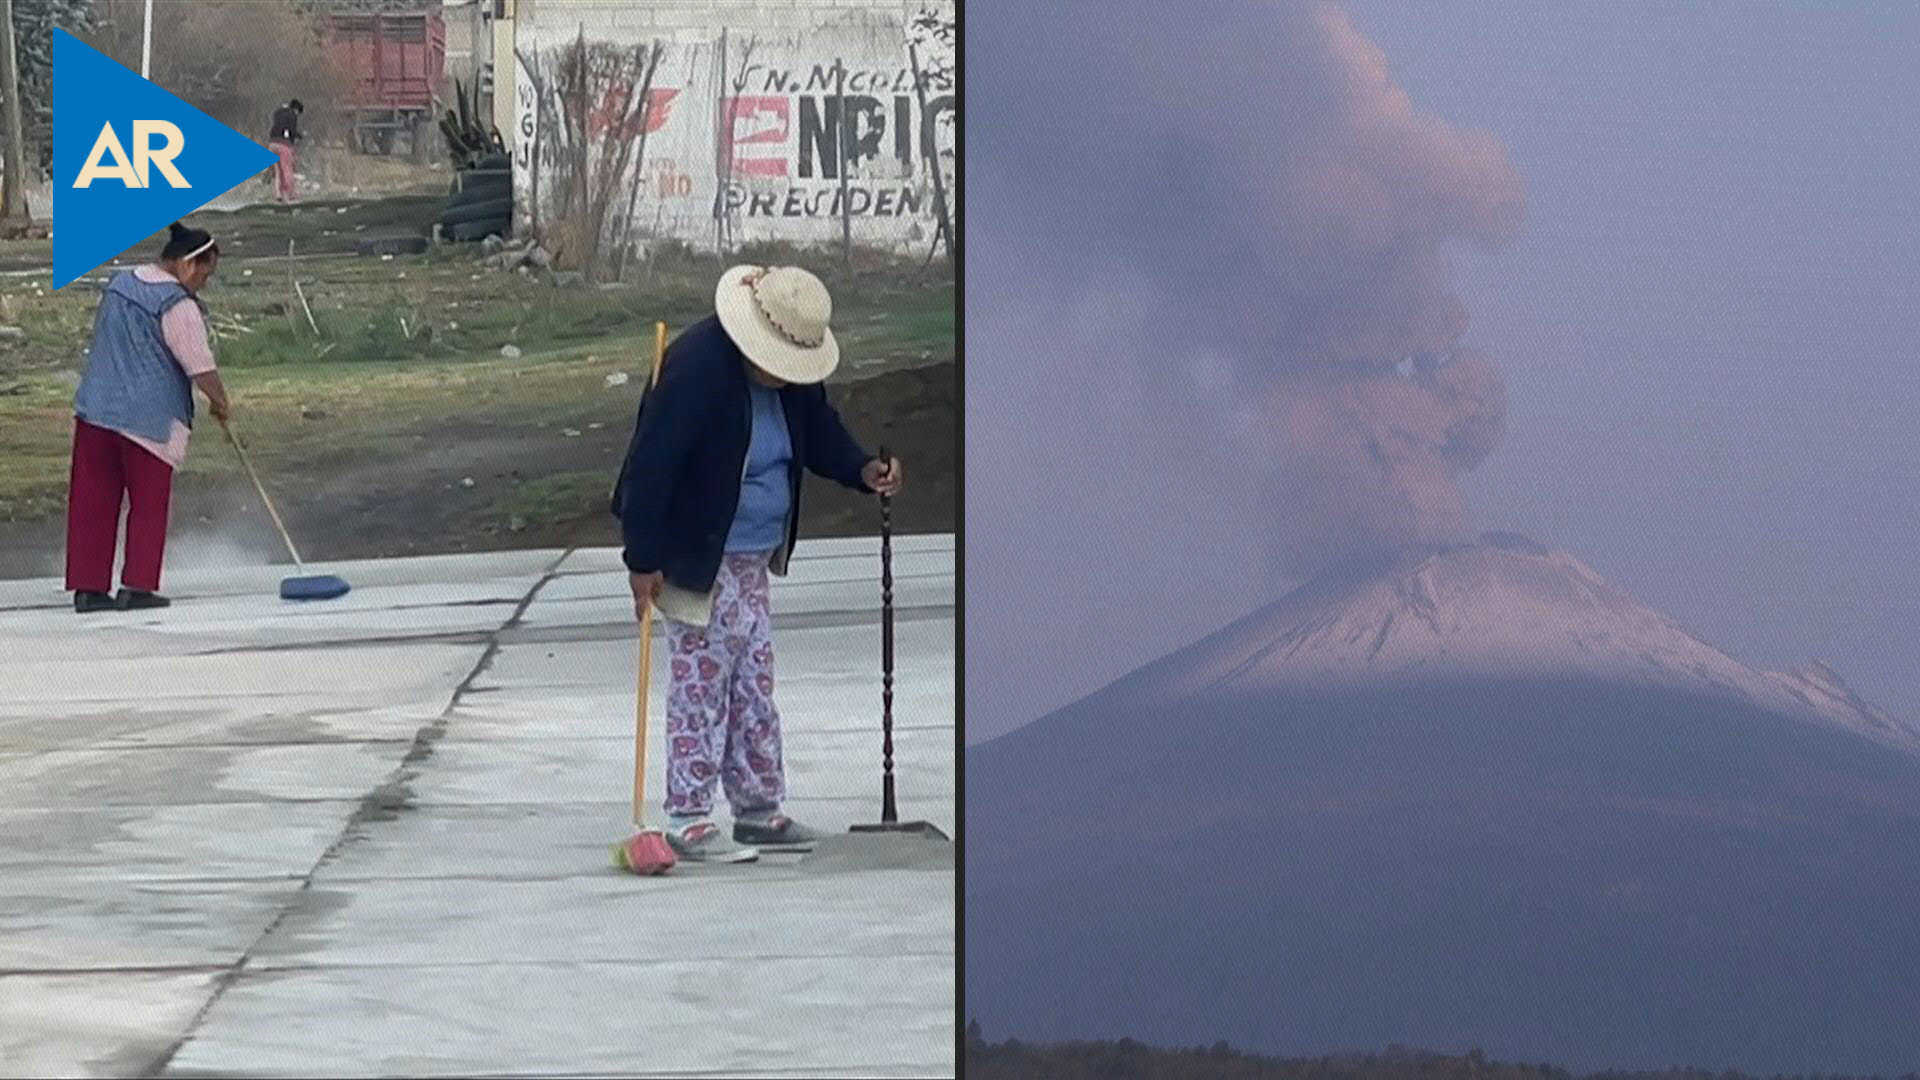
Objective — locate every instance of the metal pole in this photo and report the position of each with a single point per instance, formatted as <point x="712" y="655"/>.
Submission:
<point x="146" y="44"/>
<point x="889" y="813"/>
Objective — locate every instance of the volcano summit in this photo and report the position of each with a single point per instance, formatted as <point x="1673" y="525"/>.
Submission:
<point x="1468" y="796"/>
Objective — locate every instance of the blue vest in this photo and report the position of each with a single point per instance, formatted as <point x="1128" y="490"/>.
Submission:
<point x="760" y="523"/>
<point x="133" y="383"/>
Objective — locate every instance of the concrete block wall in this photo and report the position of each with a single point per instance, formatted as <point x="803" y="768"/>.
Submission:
<point x="771" y="174"/>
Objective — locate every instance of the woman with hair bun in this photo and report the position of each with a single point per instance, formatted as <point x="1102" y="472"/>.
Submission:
<point x="132" y="416"/>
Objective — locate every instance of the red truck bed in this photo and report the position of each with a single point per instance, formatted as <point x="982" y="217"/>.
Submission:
<point x="398" y="60"/>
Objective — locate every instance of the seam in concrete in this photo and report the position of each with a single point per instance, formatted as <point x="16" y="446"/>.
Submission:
<point x="597" y="631"/>
<point x="544" y="739"/>
<point x="229" y="744"/>
<point x="162" y="883"/>
<point x="244" y="695"/>
<point x="371" y="803"/>
<point x="619" y="962"/>
<point x="268" y="800"/>
<point x="773" y="868"/>
<point x="805" y="620"/>
<point x="446" y="637"/>
<point x="152" y="620"/>
<point x="98" y="807"/>
<point x="121" y="969"/>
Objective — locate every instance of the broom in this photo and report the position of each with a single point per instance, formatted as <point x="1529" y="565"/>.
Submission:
<point x="304" y="586"/>
<point x="647" y="850"/>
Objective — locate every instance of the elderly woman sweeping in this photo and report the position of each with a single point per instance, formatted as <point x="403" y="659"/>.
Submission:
<point x="709" y="505"/>
<point x="132" y="415"/>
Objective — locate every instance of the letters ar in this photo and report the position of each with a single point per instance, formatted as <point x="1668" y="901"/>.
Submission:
<point x="146" y="156"/>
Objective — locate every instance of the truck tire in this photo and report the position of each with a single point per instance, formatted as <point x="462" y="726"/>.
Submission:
<point x="456" y="213"/>
<point x="468" y="231"/>
<point x="391" y="244"/>
<point x="477" y="194"/>
<point x="491" y="180"/>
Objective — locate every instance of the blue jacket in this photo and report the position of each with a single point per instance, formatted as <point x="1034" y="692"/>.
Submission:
<point x="680" y="486"/>
<point x="133" y="383"/>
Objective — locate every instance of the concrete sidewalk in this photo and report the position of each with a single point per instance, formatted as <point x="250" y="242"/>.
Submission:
<point x="370" y="837"/>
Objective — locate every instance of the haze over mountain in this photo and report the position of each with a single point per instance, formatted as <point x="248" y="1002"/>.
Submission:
<point x="1468" y="795"/>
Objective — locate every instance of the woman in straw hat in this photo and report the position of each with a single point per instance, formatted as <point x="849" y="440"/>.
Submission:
<point x="709" y="506"/>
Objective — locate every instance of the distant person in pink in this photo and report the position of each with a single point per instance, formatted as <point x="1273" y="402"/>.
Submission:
<point x="283" y="133"/>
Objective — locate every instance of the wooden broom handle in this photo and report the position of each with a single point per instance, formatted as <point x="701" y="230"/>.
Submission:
<point x="646" y="638"/>
<point x="640" y="718"/>
<point x="262" y="489"/>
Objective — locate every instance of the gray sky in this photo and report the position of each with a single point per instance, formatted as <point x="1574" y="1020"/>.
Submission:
<point x="1706" y="324"/>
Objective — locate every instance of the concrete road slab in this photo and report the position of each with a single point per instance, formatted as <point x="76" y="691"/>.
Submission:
<point x="372" y="837"/>
<point x="841" y="656"/>
<point x="537" y="713"/>
<point x="738" y="915"/>
<point x="840" y="764"/>
<point x="557" y="840"/>
<point x="81" y="680"/>
<point x="267" y="719"/>
<point x="825" y="603"/>
<point x="675" y="1018"/>
<point x="92" y="1024"/>
<point x="855" y="570"/>
<point x="240" y="841"/>
<point x="182" y="775"/>
<point x="85" y="924"/>
<point x="862" y="549"/>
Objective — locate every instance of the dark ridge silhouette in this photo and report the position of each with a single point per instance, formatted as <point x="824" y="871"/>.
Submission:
<point x="1015" y="1060"/>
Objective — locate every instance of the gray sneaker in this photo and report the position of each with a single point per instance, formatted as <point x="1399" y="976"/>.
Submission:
<point x="775" y="831"/>
<point x="703" y="841"/>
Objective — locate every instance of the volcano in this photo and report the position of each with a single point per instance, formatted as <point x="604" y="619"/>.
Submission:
<point x="1471" y="796"/>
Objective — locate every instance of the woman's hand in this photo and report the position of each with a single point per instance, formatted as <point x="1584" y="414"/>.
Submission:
<point x="645" y="588"/>
<point x="883" y="476"/>
<point x="216" y="391"/>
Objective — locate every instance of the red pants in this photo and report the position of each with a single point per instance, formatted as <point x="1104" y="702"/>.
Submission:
<point x="106" y="466"/>
<point x="283" y="169"/>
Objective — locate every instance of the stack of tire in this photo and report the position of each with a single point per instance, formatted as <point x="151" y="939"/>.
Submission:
<point x="480" y="202"/>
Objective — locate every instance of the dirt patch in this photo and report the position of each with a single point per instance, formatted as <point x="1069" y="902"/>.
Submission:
<point x="531" y="488"/>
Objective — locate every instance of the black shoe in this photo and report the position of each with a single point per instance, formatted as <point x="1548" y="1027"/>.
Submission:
<point x="135" y="600"/>
<point x="85" y="603"/>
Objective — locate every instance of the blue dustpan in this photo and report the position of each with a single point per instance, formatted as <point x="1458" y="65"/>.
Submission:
<point x="315" y="587"/>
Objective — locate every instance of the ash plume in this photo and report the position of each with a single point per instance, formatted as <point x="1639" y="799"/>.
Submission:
<point x="1290" y="205"/>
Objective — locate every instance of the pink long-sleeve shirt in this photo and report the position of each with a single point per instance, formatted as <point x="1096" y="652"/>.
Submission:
<point x="185" y="332"/>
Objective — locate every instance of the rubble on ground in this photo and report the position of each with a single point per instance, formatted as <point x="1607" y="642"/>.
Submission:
<point x="510" y="255"/>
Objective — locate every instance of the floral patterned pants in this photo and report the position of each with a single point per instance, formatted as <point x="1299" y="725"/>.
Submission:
<point x="721" y="721"/>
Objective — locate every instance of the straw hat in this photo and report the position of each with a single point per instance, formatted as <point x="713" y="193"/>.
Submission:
<point x="778" y="317"/>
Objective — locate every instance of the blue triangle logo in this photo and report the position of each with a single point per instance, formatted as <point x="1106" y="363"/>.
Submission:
<point x="130" y="158"/>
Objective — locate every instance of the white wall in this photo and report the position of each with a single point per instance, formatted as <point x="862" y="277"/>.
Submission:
<point x="469" y="38"/>
<point x="505" y="106"/>
<point x="775" y="78"/>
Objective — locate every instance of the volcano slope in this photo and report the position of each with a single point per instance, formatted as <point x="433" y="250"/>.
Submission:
<point x="1475" y="797"/>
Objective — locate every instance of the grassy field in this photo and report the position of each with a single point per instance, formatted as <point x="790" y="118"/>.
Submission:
<point x="392" y="423"/>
